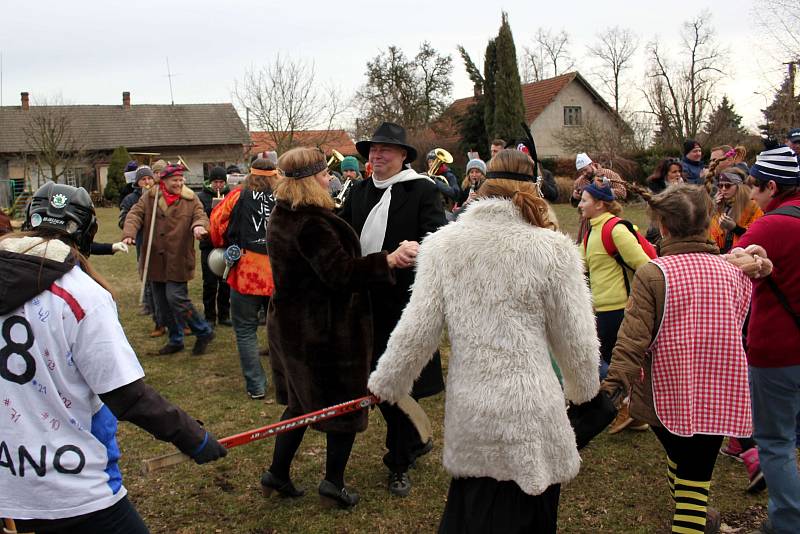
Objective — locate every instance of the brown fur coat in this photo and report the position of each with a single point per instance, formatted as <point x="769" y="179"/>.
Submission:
<point x="319" y="319"/>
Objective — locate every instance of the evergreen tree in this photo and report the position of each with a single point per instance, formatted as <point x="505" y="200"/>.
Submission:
<point x="509" y="108"/>
<point x="783" y="114"/>
<point x="472" y="129"/>
<point x="724" y="126"/>
<point x="489" y="67"/>
<point x="116" y="176"/>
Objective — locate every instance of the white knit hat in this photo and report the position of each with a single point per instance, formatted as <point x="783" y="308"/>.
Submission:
<point x="477" y="164"/>
<point x="582" y="160"/>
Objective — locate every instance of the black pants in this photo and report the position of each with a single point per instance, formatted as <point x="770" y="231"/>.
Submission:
<point x="121" y="518"/>
<point x="690" y="464"/>
<point x="608" y="324"/>
<point x="216" y="292"/>
<point x="488" y="506"/>
<point x="402" y="439"/>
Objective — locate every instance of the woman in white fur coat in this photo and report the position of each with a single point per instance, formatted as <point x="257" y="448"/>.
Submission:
<point x="507" y="441"/>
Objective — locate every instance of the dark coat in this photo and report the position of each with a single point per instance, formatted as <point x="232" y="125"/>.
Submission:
<point x="319" y="318"/>
<point x="207" y="197"/>
<point x="415" y="211"/>
<point x="172" y="257"/>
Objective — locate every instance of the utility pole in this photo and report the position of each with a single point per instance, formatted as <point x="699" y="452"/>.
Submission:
<point x="169" y="76"/>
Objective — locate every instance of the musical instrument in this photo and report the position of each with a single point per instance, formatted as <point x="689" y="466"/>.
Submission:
<point x="442" y="157"/>
<point x="338" y="200"/>
<point x="336" y="157"/>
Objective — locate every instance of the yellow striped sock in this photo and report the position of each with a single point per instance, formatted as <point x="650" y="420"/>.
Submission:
<point x="691" y="504"/>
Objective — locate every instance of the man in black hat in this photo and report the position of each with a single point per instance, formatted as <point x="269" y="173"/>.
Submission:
<point x="397" y="204"/>
<point x="216" y="292"/>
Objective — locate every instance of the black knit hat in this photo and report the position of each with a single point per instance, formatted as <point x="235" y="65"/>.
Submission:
<point x="217" y="173"/>
<point x="689" y="145"/>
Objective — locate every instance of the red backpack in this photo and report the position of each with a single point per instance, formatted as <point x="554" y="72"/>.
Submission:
<point x="611" y="247"/>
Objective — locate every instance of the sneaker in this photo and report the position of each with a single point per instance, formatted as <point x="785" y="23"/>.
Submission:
<point x="732" y="450"/>
<point x="622" y="421"/>
<point x="757" y="481"/>
<point x="158" y="331"/>
<point x="256" y="396"/>
<point x="399" y="484"/>
<point x="225" y="321"/>
<point x="201" y="344"/>
<point x="639" y="426"/>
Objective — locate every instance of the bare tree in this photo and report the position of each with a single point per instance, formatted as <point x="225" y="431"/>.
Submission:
<point x="555" y="47"/>
<point x="680" y="92"/>
<point x="284" y="98"/>
<point x="614" y="49"/>
<point x="52" y="139"/>
<point x="780" y="19"/>
<point x="532" y="68"/>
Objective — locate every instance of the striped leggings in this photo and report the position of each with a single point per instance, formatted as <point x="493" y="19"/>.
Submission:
<point x="690" y="464"/>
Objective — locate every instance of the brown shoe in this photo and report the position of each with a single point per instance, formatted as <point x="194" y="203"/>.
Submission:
<point x="639" y="426"/>
<point x="622" y="421"/>
<point x="713" y="521"/>
<point x="158" y="331"/>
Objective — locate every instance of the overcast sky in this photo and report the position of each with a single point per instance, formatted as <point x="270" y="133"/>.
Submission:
<point x="88" y="52"/>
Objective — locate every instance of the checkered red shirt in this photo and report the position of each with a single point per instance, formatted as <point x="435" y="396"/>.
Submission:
<point x="699" y="370"/>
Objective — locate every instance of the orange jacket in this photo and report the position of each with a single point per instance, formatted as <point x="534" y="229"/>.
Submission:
<point x="748" y="216"/>
<point x="252" y="275"/>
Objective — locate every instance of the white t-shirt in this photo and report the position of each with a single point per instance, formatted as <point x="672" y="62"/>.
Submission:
<point x="58" y="451"/>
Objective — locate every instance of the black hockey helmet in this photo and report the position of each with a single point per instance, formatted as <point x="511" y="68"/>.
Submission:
<point x="66" y="209"/>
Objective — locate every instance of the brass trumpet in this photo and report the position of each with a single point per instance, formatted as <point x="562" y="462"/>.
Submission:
<point x="339" y="199"/>
<point x="442" y="157"/>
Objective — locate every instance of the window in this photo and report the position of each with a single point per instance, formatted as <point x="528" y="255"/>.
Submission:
<point x="207" y="166"/>
<point x="572" y="116"/>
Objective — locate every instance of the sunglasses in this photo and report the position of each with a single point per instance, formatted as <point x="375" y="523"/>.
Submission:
<point x="725" y="186"/>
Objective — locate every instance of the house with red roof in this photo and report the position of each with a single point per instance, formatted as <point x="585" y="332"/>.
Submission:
<point x="325" y="140"/>
<point x="552" y="107"/>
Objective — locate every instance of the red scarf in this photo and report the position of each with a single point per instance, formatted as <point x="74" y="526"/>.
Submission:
<point x="170" y="198"/>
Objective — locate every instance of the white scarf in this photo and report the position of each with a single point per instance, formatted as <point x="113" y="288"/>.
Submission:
<point x="374" y="231"/>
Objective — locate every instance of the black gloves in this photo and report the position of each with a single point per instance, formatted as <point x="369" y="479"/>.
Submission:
<point x="591" y="418"/>
<point x="209" y="450"/>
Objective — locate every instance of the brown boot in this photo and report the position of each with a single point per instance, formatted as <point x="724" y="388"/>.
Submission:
<point x="622" y="421"/>
<point x="158" y="331"/>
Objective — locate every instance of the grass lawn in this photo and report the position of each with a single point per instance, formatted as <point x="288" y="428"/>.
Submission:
<point x="621" y="488"/>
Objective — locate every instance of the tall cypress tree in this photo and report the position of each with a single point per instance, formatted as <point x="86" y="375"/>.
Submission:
<point x="509" y="108"/>
<point x="489" y="68"/>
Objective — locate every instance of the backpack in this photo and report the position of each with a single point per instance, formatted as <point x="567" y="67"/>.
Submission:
<point x="611" y="247"/>
<point x="791" y="211"/>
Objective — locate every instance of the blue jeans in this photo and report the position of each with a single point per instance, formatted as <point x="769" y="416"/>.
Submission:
<point x="244" y="315"/>
<point x="775" y="394"/>
<point x="176" y="308"/>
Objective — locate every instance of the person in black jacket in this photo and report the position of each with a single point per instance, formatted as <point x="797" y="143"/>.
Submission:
<point x="397" y="204"/>
<point x="216" y="293"/>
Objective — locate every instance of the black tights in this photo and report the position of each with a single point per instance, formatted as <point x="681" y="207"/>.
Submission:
<point x="339" y="445"/>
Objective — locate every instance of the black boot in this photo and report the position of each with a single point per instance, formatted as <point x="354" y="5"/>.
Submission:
<point x="270" y="483"/>
<point x="330" y="496"/>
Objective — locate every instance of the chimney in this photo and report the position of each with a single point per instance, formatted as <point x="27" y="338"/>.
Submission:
<point x="477" y="90"/>
<point x="25" y="101"/>
<point x="126" y="100"/>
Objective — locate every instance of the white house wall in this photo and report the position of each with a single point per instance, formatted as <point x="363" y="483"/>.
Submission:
<point x="550" y="122"/>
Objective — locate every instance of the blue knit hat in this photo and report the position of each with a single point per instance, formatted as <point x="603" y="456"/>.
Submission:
<point x="131" y="166"/>
<point x="779" y="164"/>
<point x="349" y="163"/>
<point x="601" y="192"/>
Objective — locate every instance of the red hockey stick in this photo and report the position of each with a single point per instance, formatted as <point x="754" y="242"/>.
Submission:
<point x="160" y="462"/>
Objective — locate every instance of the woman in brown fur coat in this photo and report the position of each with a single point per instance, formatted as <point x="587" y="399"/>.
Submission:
<point x="319" y="318"/>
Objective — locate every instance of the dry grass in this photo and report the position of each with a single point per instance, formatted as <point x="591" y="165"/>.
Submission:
<point x="621" y="487"/>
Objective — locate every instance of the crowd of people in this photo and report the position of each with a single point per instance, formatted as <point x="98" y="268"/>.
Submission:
<point x="690" y="330"/>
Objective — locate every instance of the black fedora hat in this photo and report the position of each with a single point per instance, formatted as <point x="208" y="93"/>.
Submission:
<point x="388" y="133"/>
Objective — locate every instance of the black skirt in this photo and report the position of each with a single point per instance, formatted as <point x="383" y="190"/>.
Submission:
<point x="486" y="506"/>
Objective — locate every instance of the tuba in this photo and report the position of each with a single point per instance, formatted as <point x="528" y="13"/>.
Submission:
<point x="442" y="157"/>
<point x="336" y="157"/>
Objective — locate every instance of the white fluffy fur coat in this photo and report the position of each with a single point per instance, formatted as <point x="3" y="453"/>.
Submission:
<point x="506" y="291"/>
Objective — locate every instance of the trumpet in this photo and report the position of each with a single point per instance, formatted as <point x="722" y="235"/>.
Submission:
<point x="442" y="157"/>
<point x="336" y="157"/>
<point x="339" y="199"/>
